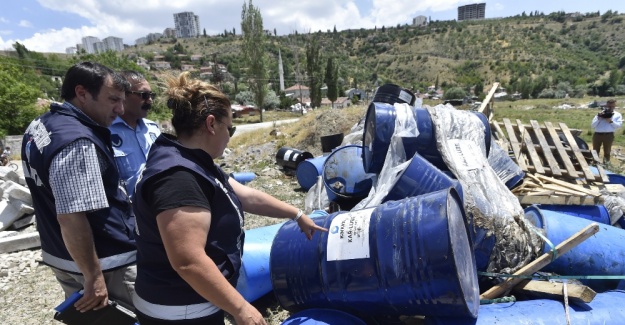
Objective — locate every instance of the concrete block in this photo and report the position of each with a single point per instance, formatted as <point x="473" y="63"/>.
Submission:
<point x="7" y="233"/>
<point x="21" y="207"/>
<point x="8" y="214"/>
<point x="19" y="242"/>
<point x="8" y="174"/>
<point x="16" y="191"/>
<point x="23" y="222"/>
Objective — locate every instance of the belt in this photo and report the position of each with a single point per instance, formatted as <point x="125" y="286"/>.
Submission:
<point x="604" y="132"/>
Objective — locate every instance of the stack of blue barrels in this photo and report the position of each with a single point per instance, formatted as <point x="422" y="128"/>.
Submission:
<point x="415" y="253"/>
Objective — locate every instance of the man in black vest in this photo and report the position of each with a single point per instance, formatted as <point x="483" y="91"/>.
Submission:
<point x="83" y="215"/>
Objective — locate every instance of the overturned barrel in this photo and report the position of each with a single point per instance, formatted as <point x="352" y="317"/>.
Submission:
<point x="243" y="177"/>
<point x="344" y="178"/>
<point x="289" y="157"/>
<point x="309" y="170"/>
<point x="597" y="213"/>
<point x="421" y="177"/>
<point x="323" y="316"/>
<point x="408" y="257"/>
<point x="605" y="309"/>
<point x="254" y="280"/>
<point x="379" y="129"/>
<point x="601" y="254"/>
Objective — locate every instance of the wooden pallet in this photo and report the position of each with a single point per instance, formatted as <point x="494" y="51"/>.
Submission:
<point x="538" y="149"/>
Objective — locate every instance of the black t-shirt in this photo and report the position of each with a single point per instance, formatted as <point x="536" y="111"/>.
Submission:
<point x="176" y="188"/>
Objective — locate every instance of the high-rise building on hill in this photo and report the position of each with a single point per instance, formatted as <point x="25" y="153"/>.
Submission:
<point x="187" y="24"/>
<point x="472" y="11"/>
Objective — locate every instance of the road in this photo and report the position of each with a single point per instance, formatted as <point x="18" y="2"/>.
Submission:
<point x="255" y="126"/>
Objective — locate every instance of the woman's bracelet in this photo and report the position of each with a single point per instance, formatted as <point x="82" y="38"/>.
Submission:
<point x="299" y="215"/>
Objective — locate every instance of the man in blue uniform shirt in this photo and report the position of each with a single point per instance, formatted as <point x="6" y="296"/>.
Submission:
<point x="132" y="134"/>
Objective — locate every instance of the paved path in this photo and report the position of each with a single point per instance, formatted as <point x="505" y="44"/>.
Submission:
<point x="255" y="126"/>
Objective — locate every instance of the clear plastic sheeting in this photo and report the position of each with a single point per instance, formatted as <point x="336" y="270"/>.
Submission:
<point x="460" y="140"/>
<point x="396" y="160"/>
<point x="355" y="134"/>
<point x="316" y="197"/>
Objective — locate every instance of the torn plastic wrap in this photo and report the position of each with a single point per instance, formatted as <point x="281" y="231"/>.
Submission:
<point x="493" y="209"/>
<point x="614" y="204"/>
<point x="396" y="160"/>
<point x="355" y="134"/>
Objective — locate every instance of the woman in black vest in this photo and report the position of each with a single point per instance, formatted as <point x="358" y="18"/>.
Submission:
<point x="189" y="216"/>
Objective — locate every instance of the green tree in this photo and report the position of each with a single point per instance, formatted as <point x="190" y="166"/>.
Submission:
<point x="253" y="50"/>
<point x="17" y="97"/>
<point x="454" y="93"/>
<point x="331" y="81"/>
<point x="313" y="68"/>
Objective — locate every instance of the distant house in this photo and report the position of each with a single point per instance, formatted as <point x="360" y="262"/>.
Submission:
<point x="196" y="57"/>
<point x="297" y="91"/>
<point x="159" y="58"/>
<point x="187" y="67"/>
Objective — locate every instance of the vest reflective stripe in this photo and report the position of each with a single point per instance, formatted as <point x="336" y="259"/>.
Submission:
<point x="106" y="263"/>
<point x="173" y="312"/>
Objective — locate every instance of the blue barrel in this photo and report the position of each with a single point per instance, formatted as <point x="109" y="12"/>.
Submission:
<point x="506" y="169"/>
<point x="243" y="177"/>
<point x="408" y="257"/>
<point x="608" y="308"/>
<point x="601" y="254"/>
<point x="322" y="316"/>
<point x="344" y="177"/>
<point x="309" y="170"/>
<point x="597" y="213"/>
<point x="379" y="128"/>
<point x="255" y="280"/>
<point x="421" y="177"/>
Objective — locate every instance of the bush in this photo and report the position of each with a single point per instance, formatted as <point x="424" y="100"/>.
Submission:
<point x="454" y="93"/>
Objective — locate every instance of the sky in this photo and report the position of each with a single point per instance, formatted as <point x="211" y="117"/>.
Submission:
<point x="54" y="25"/>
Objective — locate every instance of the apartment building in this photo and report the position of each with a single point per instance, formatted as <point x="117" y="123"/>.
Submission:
<point x="187" y="24"/>
<point x="472" y="11"/>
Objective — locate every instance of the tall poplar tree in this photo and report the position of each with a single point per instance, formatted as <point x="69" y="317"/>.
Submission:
<point x="331" y="81"/>
<point x="314" y="70"/>
<point x="253" y="49"/>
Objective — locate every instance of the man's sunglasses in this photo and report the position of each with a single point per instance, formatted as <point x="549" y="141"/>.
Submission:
<point x="144" y="94"/>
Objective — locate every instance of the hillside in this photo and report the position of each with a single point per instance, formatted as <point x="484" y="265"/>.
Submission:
<point x="579" y="50"/>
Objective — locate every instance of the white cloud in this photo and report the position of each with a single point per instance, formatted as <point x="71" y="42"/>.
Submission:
<point x="5" y="32"/>
<point x="4" y="20"/>
<point x="25" y="23"/>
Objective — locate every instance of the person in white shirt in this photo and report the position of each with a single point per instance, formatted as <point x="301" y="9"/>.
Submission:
<point x="604" y="124"/>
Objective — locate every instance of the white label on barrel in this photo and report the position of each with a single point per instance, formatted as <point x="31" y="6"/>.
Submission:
<point x="348" y="236"/>
<point x="287" y="154"/>
<point x="405" y="96"/>
<point x="462" y="152"/>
